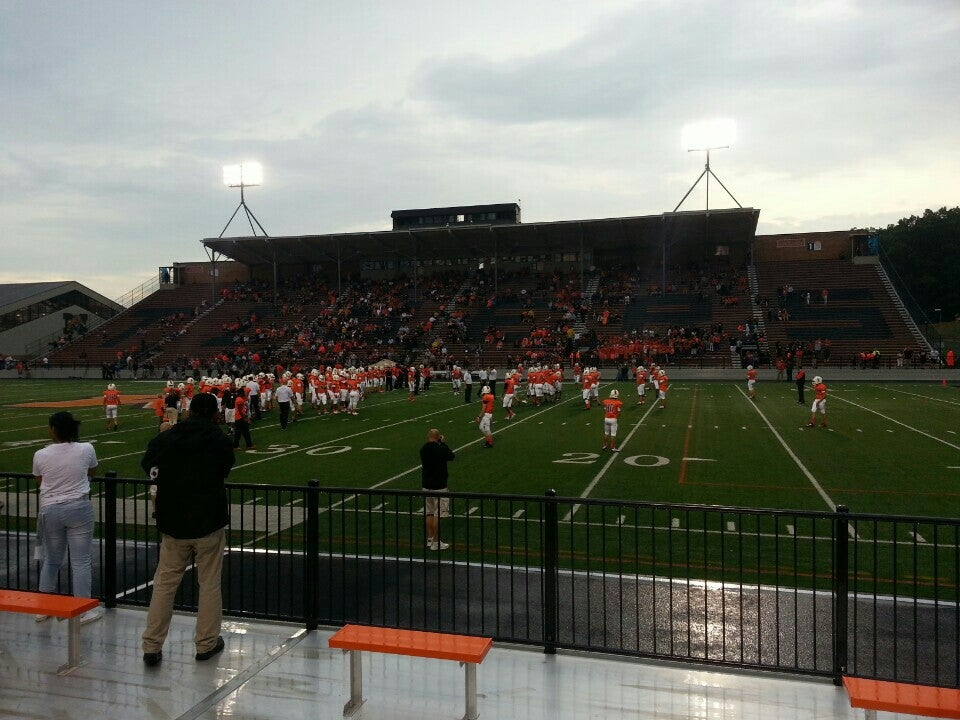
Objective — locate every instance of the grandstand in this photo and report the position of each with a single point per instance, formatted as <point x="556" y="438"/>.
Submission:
<point x="696" y="288"/>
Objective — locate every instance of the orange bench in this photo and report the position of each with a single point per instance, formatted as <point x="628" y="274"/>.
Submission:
<point x="58" y="606"/>
<point x="468" y="650"/>
<point x="873" y="695"/>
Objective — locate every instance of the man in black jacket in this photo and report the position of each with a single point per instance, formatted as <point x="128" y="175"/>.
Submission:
<point x="434" y="456"/>
<point x="188" y="464"/>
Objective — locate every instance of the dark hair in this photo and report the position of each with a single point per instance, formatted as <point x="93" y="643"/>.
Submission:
<point x="65" y="427"/>
<point x="203" y="406"/>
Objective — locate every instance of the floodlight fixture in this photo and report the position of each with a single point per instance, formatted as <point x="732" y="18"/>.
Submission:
<point x="248" y="174"/>
<point x="704" y="136"/>
<point x="708" y="135"/>
<point x="244" y="175"/>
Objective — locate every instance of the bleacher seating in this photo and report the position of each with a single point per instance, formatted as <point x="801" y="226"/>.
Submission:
<point x="859" y="315"/>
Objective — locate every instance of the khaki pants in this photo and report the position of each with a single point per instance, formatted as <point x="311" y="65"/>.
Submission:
<point x="175" y="556"/>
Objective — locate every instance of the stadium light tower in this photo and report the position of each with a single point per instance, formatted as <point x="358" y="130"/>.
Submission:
<point x="705" y="136"/>
<point x="244" y="175"/>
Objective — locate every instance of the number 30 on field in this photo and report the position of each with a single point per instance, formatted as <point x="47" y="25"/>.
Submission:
<point x="586" y="458"/>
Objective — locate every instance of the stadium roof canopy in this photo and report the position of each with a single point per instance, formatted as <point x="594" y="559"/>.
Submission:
<point x="728" y="226"/>
<point x="19" y="293"/>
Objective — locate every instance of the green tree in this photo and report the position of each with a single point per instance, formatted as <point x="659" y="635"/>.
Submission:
<point x="925" y="251"/>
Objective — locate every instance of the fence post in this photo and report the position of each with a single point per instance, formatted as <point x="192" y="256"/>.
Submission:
<point x="841" y="567"/>
<point x="311" y="590"/>
<point x="108" y="524"/>
<point x="550" y="546"/>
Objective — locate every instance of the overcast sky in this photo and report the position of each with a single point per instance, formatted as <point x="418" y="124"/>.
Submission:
<point x="116" y="117"/>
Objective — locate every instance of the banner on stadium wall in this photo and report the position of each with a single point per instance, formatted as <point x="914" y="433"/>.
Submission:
<point x="791" y="243"/>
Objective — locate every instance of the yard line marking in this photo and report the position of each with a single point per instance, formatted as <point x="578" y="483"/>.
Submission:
<point x="87" y="438"/>
<point x="675" y="522"/>
<point x="686" y="440"/>
<point x="518" y="514"/>
<point x="908" y="427"/>
<point x="603" y="470"/>
<point x="925" y="397"/>
<point x="377" y="448"/>
<point x="693" y="459"/>
<point x="512" y="424"/>
<point x="731" y="526"/>
<point x="853" y="532"/>
<point x="918" y="537"/>
<point x="790" y="530"/>
<point x="803" y="468"/>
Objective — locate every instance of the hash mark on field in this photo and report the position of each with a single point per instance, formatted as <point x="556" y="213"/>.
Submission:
<point x="621" y="520"/>
<point x="674" y="522"/>
<point x="518" y="514"/>
<point x="853" y="532"/>
<point x="252" y="501"/>
<point x="791" y="530"/>
<point x="378" y="507"/>
<point x="420" y="511"/>
<point x="294" y="502"/>
<point x="731" y="526"/>
<point x="472" y="510"/>
<point x="918" y="537"/>
<point x="889" y="431"/>
<point x="859" y="430"/>
<point x="951" y="432"/>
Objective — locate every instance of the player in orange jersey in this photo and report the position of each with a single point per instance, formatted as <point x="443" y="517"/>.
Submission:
<point x="611" y="416"/>
<point x="641" y="376"/>
<point x="111" y="405"/>
<point x="586" y="383"/>
<point x="509" y="384"/>
<point x="751" y="382"/>
<point x="486" y="415"/>
<point x="663" y="384"/>
<point x="819" y="402"/>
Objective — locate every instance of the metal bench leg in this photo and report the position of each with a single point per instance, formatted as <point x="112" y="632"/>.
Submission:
<point x="73" y="647"/>
<point x="470" y="685"/>
<point x="870" y="714"/>
<point x="356" y="683"/>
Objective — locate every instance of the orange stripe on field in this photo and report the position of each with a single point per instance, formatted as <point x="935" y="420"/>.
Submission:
<point x="84" y="402"/>
<point x="686" y="442"/>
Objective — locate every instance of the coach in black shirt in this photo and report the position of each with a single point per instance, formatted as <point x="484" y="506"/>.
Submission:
<point x="434" y="456"/>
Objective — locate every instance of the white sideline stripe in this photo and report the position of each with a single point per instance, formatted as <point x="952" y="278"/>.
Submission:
<point x="512" y="424"/>
<point x="813" y="481"/>
<point x="908" y="427"/>
<point x="613" y="457"/>
<point x="925" y="397"/>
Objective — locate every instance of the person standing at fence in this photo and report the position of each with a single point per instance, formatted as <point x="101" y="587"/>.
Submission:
<point x="434" y="456"/>
<point x="189" y="464"/>
<point x="65" y="520"/>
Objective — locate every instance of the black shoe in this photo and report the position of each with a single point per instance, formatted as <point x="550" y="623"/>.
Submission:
<point x="215" y="650"/>
<point x="152" y="659"/>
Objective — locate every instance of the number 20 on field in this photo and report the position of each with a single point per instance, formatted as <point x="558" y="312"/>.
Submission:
<point x="587" y="458"/>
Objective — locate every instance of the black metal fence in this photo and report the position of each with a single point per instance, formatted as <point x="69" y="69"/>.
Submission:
<point x="805" y="592"/>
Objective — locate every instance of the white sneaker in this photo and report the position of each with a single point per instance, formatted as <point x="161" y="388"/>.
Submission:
<point x="439" y="545"/>
<point x="91" y="616"/>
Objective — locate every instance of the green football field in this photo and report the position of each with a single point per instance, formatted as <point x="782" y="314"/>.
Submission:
<point x="889" y="448"/>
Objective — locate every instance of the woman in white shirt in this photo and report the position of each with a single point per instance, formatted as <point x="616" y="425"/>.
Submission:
<point x="63" y="471"/>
